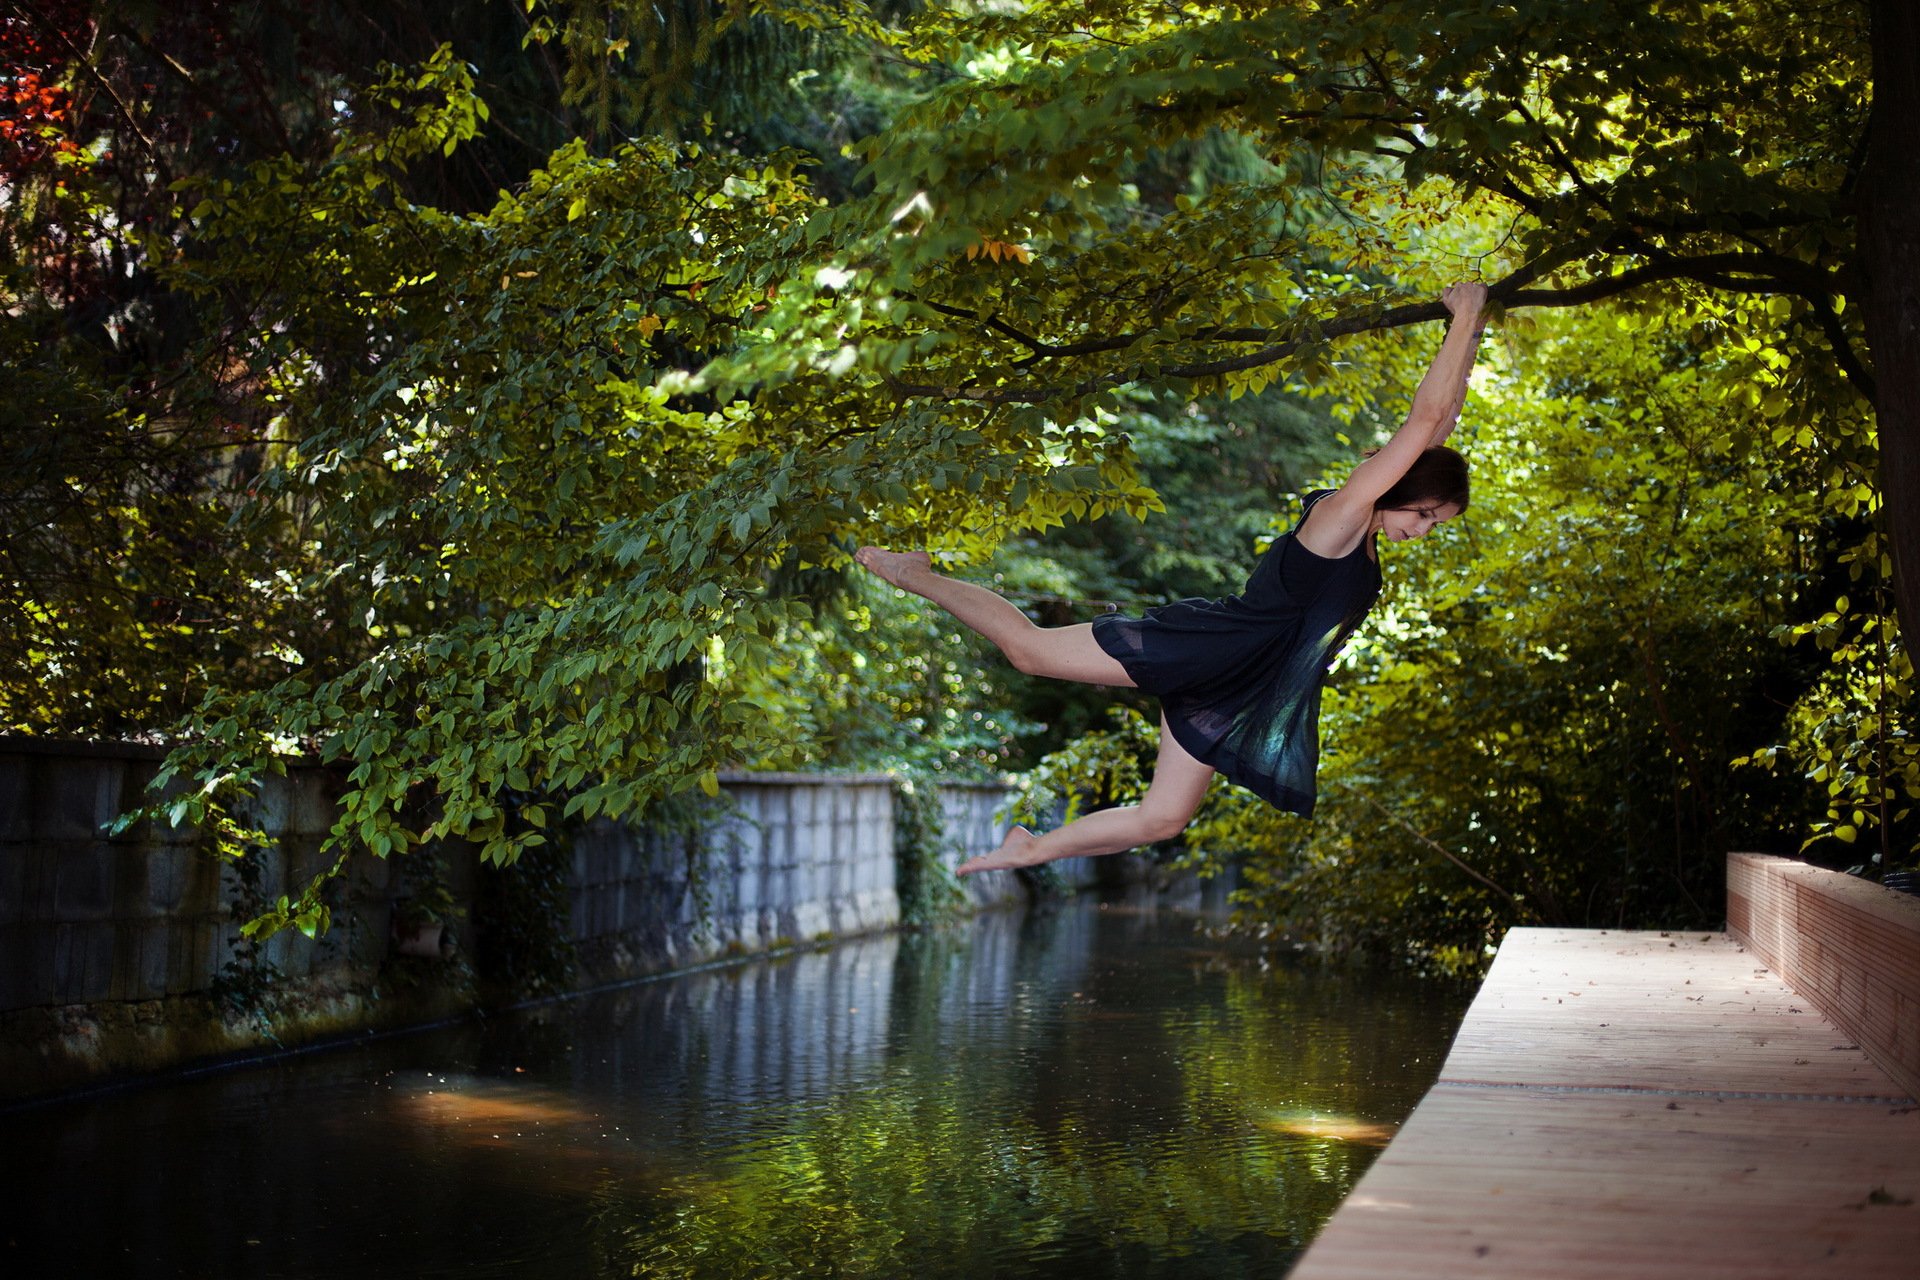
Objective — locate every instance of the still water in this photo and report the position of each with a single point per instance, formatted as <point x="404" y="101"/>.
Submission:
<point x="1103" y="1090"/>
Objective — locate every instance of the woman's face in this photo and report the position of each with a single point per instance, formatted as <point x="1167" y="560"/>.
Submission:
<point x="1402" y="524"/>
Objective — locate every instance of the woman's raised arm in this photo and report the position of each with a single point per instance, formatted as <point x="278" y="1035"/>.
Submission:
<point x="1340" y="520"/>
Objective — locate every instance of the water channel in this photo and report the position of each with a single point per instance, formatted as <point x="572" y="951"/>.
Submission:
<point x="1101" y="1090"/>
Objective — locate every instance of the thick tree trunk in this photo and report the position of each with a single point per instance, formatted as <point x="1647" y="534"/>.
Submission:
<point x="1889" y="251"/>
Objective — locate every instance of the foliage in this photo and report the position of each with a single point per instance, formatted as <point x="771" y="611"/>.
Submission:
<point x="134" y="574"/>
<point x="523" y="914"/>
<point x="1853" y="731"/>
<point x="1097" y="770"/>
<point x="876" y="678"/>
<point x="117" y="565"/>
<point x="534" y="492"/>
<point x="1059" y="101"/>
<point x="249" y="987"/>
<point x="656" y="66"/>
<point x="1540" y="721"/>
<point x="929" y="893"/>
<point x="508" y="434"/>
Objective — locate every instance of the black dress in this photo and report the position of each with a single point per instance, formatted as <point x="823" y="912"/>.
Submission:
<point x="1239" y="679"/>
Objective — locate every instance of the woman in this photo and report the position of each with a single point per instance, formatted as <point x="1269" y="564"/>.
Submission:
<point x="1238" y="679"/>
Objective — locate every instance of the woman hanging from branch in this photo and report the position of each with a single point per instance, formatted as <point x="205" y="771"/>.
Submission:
<point x="1238" y="679"/>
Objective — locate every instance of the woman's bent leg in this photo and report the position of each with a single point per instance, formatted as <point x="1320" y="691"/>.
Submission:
<point x="1179" y="785"/>
<point x="1063" y="653"/>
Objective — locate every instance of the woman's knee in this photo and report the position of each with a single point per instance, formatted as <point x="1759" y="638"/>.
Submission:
<point x="1040" y="651"/>
<point x="1027" y="652"/>
<point x="1063" y="653"/>
<point x="1161" y="822"/>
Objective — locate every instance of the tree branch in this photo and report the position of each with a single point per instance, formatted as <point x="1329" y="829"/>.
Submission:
<point x="1745" y="272"/>
<point x="1439" y="848"/>
<point x="82" y="59"/>
<point x="1843" y="353"/>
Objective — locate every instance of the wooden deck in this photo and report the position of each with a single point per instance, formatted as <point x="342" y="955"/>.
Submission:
<point x="1847" y="944"/>
<point x="1640" y="1105"/>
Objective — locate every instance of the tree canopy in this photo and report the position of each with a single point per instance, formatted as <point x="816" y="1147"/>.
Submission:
<point x="486" y="474"/>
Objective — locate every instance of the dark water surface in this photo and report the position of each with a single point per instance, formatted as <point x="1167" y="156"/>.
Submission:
<point x="1105" y="1090"/>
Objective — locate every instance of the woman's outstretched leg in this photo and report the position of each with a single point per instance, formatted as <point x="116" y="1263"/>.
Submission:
<point x="1064" y="653"/>
<point x="1179" y="785"/>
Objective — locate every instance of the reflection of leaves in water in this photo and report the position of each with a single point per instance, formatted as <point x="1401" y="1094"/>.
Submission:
<point x="897" y="1184"/>
<point x="1285" y="1047"/>
<point x="944" y="1169"/>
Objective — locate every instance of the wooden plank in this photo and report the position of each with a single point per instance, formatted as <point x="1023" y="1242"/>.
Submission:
<point x="1651" y="1011"/>
<point x="1848" y="945"/>
<point x="1531" y="1182"/>
<point x="1634" y="1105"/>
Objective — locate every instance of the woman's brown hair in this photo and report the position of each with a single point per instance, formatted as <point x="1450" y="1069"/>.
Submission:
<point x="1437" y="478"/>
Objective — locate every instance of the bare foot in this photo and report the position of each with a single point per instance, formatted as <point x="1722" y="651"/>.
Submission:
<point x="902" y="568"/>
<point x="1019" y="849"/>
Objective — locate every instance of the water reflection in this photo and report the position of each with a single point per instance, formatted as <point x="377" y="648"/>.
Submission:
<point x="1311" y="1124"/>
<point x="1099" y="1091"/>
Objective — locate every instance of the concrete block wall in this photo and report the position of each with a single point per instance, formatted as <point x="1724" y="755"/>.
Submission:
<point x="794" y="858"/>
<point x="107" y="942"/>
<point x="87" y="917"/>
<point x="975" y="823"/>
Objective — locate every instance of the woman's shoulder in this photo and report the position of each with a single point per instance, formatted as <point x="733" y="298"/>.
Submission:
<point x="1312" y="499"/>
<point x="1345" y="543"/>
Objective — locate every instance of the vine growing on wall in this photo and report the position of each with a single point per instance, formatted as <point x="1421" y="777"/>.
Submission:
<point x="523" y="917"/>
<point x="928" y="890"/>
<point x="248" y="987"/>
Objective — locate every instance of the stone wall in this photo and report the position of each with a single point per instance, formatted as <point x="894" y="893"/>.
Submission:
<point x="119" y="955"/>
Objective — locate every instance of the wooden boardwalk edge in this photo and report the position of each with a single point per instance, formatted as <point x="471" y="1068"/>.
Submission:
<point x="1847" y="944"/>
<point x="1637" y="1105"/>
